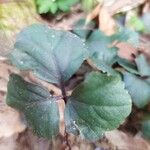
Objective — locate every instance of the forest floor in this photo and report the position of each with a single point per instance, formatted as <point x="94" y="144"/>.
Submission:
<point x="14" y="134"/>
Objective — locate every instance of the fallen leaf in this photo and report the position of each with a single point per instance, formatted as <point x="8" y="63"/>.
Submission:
<point x="126" y="51"/>
<point x="5" y="71"/>
<point x="124" y="141"/>
<point x="93" y="14"/>
<point x="8" y="126"/>
<point x="9" y="143"/>
<point x="121" y="6"/>
<point x="106" y="22"/>
<point x="10" y="122"/>
<point x="105" y="11"/>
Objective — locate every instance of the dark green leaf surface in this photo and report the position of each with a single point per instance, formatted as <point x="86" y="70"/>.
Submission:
<point x="129" y="66"/>
<point x="126" y="35"/>
<point x="100" y="52"/>
<point x="146" y="128"/>
<point x="138" y="88"/>
<point x="143" y="65"/>
<point x="82" y="29"/>
<point x="97" y="105"/>
<point x="38" y="106"/>
<point x="53" y="55"/>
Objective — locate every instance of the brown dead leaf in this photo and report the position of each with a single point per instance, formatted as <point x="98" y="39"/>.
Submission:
<point x="126" y="51"/>
<point x="93" y="14"/>
<point x="10" y="122"/>
<point x="106" y="22"/>
<point x="8" y="143"/>
<point x="124" y="141"/>
<point x="105" y="13"/>
<point x="121" y="6"/>
<point x="5" y="71"/>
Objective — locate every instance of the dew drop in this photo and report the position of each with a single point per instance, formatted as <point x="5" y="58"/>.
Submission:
<point x="21" y="62"/>
<point x="83" y="40"/>
<point x="53" y="36"/>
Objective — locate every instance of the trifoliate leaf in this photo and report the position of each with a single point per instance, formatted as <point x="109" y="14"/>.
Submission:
<point x="138" y="88"/>
<point x="52" y="55"/>
<point x="38" y="106"/>
<point x="97" y="105"/>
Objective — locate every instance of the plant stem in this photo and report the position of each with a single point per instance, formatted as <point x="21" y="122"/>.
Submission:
<point x="63" y="91"/>
<point x="62" y="87"/>
<point x="67" y="141"/>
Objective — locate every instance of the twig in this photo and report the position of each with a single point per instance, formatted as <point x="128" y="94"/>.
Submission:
<point x="62" y="87"/>
<point x="67" y="141"/>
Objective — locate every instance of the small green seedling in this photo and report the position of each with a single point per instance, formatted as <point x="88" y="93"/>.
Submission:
<point x="53" y="6"/>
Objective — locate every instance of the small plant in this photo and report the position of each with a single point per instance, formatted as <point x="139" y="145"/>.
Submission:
<point x="97" y="105"/>
<point x="88" y="5"/>
<point x="53" y="6"/>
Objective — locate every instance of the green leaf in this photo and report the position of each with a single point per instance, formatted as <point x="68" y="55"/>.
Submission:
<point x="44" y="6"/>
<point x="129" y="66"/>
<point x="146" y="128"/>
<point x="88" y="5"/>
<point x="65" y="5"/>
<point x="54" y="7"/>
<point x="143" y="65"/>
<point x="52" y="55"/>
<point x="136" y="23"/>
<point x="38" y="106"/>
<point x="126" y="35"/>
<point x="82" y="29"/>
<point x="138" y="88"/>
<point x="97" y="105"/>
<point x="102" y="55"/>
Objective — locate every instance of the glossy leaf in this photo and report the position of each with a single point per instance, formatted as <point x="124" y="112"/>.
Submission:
<point x="97" y="105"/>
<point x="138" y="88"/>
<point x="39" y="107"/>
<point x="52" y="55"/>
